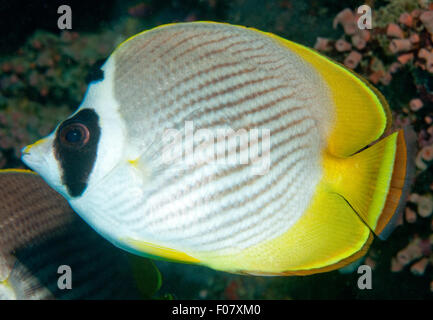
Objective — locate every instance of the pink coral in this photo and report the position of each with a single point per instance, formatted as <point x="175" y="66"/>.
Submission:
<point x="358" y="41"/>
<point x="425" y="206"/>
<point x="427" y="20"/>
<point x="405" y="58"/>
<point x="394" y="67"/>
<point x="399" y="45"/>
<point x="353" y="59"/>
<point x="396" y="266"/>
<point x="410" y="253"/>
<point x="415" y="104"/>
<point x="393" y="30"/>
<point x="427" y="153"/>
<point x="342" y="45"/>
<point x="375" y="76"/>
<point x="419" y="267"/>
<point x="323" y="44"/>
<point x="414" y="38"/>
<point x="347" y="19"/>
<point x="386" y="78"/>
<point x="406" y="19"/>
<point x="410" y="215"/>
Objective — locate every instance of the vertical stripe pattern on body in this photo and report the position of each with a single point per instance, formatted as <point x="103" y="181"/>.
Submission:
<point x="218" y="77"/>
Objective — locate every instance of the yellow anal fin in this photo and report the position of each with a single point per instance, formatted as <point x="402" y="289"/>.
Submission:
<point x="156" y="251"/>
<point x="362" y="114"/>
<point x="328" y="236"/>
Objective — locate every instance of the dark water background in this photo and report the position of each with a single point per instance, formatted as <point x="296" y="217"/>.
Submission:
<point x="301" y="21"/>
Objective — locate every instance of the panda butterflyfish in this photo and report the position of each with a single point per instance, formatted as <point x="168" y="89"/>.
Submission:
<point x="232" y="148"/>
<point x="42" y="240"/>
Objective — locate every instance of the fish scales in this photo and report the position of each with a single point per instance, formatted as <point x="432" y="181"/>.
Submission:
<point x="219" y="78"/>
<point x="232" y="148"/>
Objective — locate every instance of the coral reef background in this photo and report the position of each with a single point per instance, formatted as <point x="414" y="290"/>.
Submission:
<point x="44" y="72"/>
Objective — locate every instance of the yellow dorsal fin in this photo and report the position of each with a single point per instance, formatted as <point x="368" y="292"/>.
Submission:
<point x="362" y="114"/>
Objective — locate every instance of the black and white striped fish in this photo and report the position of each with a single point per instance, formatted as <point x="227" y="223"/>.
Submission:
<point x="40" y="235"/>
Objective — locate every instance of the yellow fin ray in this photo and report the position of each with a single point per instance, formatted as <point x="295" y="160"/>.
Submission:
<point x="364" y="179"/>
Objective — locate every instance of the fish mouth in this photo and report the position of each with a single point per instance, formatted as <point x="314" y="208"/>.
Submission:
<point x="25" y="153"/>
<point x="39" y="158"/>
<point x="26" y="150"/>
<point x="33" y="155"/>
<point x="32" y="161"/>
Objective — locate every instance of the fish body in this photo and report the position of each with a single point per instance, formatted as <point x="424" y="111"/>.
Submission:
<point x="40" y="235"/>
<point x="229" y="147"/>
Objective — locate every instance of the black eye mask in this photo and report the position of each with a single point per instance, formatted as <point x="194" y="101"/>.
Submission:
<point x="75" y="148"/>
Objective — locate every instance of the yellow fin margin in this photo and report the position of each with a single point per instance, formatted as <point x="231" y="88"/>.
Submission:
<point x="157" y="251"/>
<point x="362" y="114"/>
<point x="328" y="236"/>
<point x="17" y="171"/>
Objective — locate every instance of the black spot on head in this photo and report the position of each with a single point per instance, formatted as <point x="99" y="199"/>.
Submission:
<point x="75" y="148"/>
<point x="95" y="73"/>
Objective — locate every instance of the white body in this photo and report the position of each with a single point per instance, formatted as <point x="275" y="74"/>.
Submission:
<point x="217" y="76"/>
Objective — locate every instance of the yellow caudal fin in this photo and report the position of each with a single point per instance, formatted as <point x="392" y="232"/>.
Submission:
<point x="402" y="177"/>
<point x="374" y="181"/>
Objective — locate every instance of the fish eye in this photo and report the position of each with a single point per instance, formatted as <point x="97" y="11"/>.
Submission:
<point x="74" y="135"/>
